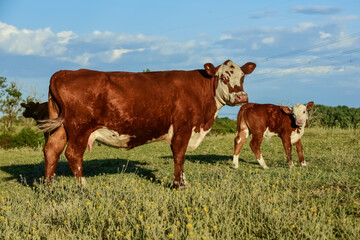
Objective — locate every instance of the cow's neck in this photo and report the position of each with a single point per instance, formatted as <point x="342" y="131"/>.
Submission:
<point x="219" y="97"/>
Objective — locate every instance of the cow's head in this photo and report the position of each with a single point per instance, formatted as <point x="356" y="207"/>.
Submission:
<point x="230" y="88"/>
<point x="31" y="109"/>
<point x="299" y="112"/>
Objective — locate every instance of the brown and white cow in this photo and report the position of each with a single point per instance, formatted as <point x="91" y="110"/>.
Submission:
<point x="267" y="120"/>
<point x="126" y="110"/>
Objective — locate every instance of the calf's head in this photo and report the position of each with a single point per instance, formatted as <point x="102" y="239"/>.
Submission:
<point x="299" y="112"/>
<point x="32" y="110"/>
<point x="230" y="77"/>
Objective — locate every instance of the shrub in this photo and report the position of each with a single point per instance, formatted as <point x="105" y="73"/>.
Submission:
<point x="6" y="140"/>
<point x="224" y="126"/>
<point x="28" y="137"/>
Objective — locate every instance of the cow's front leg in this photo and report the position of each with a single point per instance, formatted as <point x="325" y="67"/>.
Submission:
<point x="287" y="146"/>
<point x="178" y="147"/>
<point x="299" y="149"/>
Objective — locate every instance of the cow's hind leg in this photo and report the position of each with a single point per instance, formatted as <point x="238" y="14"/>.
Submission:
<point x="255" y="144"/>
<point x="52" y="150"/>
<point x="238" y="144"/>
<point x="74" y="154"/>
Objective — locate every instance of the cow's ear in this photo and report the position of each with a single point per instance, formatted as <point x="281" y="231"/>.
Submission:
<point x="309" y="105"/>
<point x="286" y="109"/>
<point x="210" y="69"/>
<point x="248" y="67"/>
<point x="23" y="105"/>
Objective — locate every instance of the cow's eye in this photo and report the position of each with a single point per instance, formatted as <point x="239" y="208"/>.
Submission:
<point x="304" y="112"/>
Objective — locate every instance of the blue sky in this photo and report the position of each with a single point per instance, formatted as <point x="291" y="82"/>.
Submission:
<point x="304" y="50"/>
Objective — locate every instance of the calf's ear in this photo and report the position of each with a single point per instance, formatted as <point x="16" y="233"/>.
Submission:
<point x="23" y="105"/>
<point x="248" y="67"/>
<point x="210" y="69"/>
<point x="309" y="105"/>
<point x="286" y="110"/>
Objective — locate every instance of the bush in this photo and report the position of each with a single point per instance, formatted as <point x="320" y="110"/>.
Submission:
<point x="6" y="140"/>
<point x="224" y="126"/>
<point x="27" y="137"/>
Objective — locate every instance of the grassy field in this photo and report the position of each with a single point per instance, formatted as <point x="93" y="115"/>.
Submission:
<point x="128" y="194"/>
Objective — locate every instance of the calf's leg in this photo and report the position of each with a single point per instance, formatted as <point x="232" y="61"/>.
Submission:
<point x="287" y="146"/>
<point x="255" y="144"/>
<point x="299" y="149"/>
<point x="238" y="144"/>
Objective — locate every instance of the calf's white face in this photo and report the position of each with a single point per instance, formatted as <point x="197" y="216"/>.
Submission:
<point x="300" y="113"/>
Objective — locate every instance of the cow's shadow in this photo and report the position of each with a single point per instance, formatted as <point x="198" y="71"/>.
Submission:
<point x="210" y="158"/>
<point x="202" y="159"/>
<point x="31" y="173"/>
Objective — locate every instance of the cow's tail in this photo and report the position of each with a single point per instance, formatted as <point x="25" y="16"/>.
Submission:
<point x="49" y="125"/>
<point x="56" y="116"/>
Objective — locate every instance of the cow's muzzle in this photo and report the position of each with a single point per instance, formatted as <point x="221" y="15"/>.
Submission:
<point x="241" y="98"/>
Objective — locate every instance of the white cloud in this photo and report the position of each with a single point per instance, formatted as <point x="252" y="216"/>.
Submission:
<point x="225" y="37"/>
<point x="41" y="42"/>
<point x="268" y="40"/>
<point x="303" y="26"/>
<point x="345" y="18"/>
<point x="324" y="35"/>
<point x="65" y="36"/>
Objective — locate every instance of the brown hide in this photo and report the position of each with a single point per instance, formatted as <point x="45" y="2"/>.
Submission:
<point x="139" y="107"/>
<point x="264" y="120"/>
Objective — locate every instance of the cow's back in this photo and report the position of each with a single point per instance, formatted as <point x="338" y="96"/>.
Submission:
<point x="143" y="105"/>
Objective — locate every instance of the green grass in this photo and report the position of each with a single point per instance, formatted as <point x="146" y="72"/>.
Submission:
<point x="127" y="195"/>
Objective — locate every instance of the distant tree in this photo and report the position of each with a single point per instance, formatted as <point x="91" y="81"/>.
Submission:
<point x="146" y="70"/>
<point x="9" y="103"/>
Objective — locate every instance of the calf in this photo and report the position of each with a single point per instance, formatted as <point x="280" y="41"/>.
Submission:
<point x="267" y="120"/>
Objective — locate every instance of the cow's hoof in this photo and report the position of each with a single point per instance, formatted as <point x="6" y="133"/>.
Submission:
<point x="303" y="164"/>
<point x="235" y="166"/>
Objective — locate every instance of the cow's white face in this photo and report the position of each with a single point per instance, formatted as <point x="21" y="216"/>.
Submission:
<point x="230" y="90"/>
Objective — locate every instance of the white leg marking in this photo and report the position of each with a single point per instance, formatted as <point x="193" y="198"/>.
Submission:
<point x="239" y="141"/>
<point x="303" y="164"/>
<point x="235" y="163"/>
<point x="82" y="181"/>
<point x="183" y="179"/>
<point x="262" y="162"/>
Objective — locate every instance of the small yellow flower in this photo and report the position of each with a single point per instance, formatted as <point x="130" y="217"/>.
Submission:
<point x="275" y="212"/>
<point x="94" y="229"/>
<point x="190" y="233"/>
<point x="171" y="235"/>
<point x="215" y="227"/>
<point x="293" y="226"/>
<point x="189" y="225"/>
